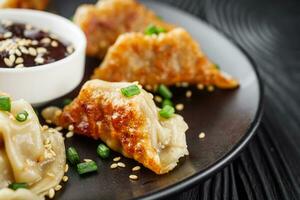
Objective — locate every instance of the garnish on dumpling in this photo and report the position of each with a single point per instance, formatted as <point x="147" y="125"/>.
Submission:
<point x="161" y="58"/>
<point x="32" y="4"/>
<point x="125" y="117"/>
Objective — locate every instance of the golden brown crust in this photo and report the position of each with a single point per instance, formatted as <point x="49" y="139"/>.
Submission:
<point x="31" y="4"/>
<point x="104" y="22"/>
<point x="121" y="125"/>
<point x="167" y="58"/>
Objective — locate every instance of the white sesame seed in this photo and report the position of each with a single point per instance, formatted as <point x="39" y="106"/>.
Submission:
<point x="158" y="99"/>
<point x="116" y="159"/>
<point x="48" y="121"/>
<point x="59" y="128"/>
<point x="34" y="42"/>
<point x="39" y="60"/>
<point x="18" y="52"/>
<point x="19" y="60"/>
<point x="8" y="62"/>
<point x="120" y="164"/>
<point x="188" y="94"/>
<point x="19" y="66"/>
<point x="23" y="50"/>
<point x="136" y="168"/>
<point x="70" y="134"/>
<point x="114" y="165"/>
<point x="66" y="168"/>
<point x="65" y="178"/>
<point x="46" y="40"/>
<point x="45" y="127"/>
<point x="57" y="188"/>
<point x="87" y="160"/>
<point x="41" y="50"/>
<point x="201" y="135"/>
<point x="32" y="51"/>
<point x="133" y="177"/>
<point x="210" y="88"/>
<point x="185" y="84"/>
<point x="70" y="127"/>
<point x="70" y="49"/>
<point x="7" y="35"/>
<point x="54" y="44"/>
<point x="12" y="58"/>
<point x="51" y="193"/>
<point x="179" y="107"/>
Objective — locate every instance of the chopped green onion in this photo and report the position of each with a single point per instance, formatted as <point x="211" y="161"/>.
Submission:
<point x="152" y="29"/>
<point x="167" y="111"/>
<point x="72" y="18"/>
<point x="5" y="104"/>
<point x="66" y="102"/>
<point x="217" y="66"/>
<point x="103" y="151"/>
<point x="130" y="91"/>
<point x="72" y="156"/>
<point x="22" y="116"/>
<point x="167" y="102"/>
<point x="86" y="167"/>
<point x="164" y="91"/>
<point x="15" y="186"/>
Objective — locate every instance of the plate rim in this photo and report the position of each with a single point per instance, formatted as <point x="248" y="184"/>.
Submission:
<point x="221" y="163"/>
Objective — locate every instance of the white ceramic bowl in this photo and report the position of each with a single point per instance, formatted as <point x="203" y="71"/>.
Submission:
<point x="44" y="83"/>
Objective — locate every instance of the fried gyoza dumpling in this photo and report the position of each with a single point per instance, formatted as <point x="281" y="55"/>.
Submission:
<point x="104" y="22"/>
<point x="129" y="125"/>
<point x="32" y="4"/>
<point x="167" y="58"/>
<point x="28" y="153"/>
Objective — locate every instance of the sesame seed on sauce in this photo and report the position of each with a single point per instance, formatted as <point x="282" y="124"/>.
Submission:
<point x="23" y="45"/>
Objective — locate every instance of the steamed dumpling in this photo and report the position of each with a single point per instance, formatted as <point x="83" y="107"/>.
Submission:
<point x="20" y="194"/>
<point x="131" y="126"/>
<point x="28" y="153"/>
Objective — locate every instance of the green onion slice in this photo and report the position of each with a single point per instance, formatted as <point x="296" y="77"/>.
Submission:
<point x="103" y="151"/>
<point x="217" y="66"/>
<point x="167" y="102"/>
<point x="66" y="102"/>
<point x="164" y="91"/>
<point x="167" y="111"/>
<point x="5" y="104"/>
<point x="152" y="29"/>
<point x="130" y="91"/>
<point x="87" y="167"/>
<point x="22" y="116"/>
<point x="15" y="186"/>
<point x="72" y="156"/>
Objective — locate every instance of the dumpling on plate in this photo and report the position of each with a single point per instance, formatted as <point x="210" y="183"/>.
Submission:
<point x="165" y="58"/>
<point x="28" y="153"/>
<point x="129" y="125"/>
<point x="32" y="4"/>
<point x="104" y="22"/>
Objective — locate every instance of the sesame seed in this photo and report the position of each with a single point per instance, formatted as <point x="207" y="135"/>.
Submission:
<point x="54" y="44"/>
<point x="39" y="60"/>
<point x="41" y="50"/>
<point x="18" y="52"/>
<point x="158" y="99"/>
<point x="120" y="164"/>
<point x="210" y="88"/>
<point x="201" y="135"/>
<point x="48" y="121"/>
<point x="28" y="27"/>
<point x="53" y="36"/>
<point x="114" y="165"/>
<point x="65" y="178"/>
<point x="23" y="50"/>
<point x="70" y="127"/>
<point x="70" y="134"/>
<point x="66" y="168"/>
<point x="70" y="49"/>
<point x="34" y="42"/>
<point x="51" y="193"/>
<point x="50" y="174"/>
<point x="116" y="159"/>
<point x="133" y="177"/>
<point x="32" y="51"/>
<point x="45" y="127"/>
<point x="185" y="84"/>
<point x="59" y="128"/>
<point x="136" y="168"/>
<point x="57" y="188"/>
<point x="87" y="160"/>
<point x="46" y="40"/>
<point x="7" y="35"/>
<point x="19" y="66"/>
<point x="188" y="94"/>
<point x="19" y="60"/>
<point x="12" y="58"/>
<point x="179" y="107"/>
<point x="8" y="62"/>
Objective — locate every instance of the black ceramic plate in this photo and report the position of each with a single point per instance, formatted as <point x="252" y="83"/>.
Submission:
<point x="227" y="117"/>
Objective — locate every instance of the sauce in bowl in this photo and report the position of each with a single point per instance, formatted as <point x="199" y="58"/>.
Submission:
<point x="22" y="45"/>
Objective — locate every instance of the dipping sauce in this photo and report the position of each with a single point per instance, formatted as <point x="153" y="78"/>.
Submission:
<point x="22" y="45"/>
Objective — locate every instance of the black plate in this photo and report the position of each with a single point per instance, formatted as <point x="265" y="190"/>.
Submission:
<point x="228" y="118"/>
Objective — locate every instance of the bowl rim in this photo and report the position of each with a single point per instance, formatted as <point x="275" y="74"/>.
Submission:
<point x="82" y="42"/>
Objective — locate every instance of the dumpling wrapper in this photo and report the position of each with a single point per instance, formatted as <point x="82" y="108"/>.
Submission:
<point x="131" y="126"/>
<point x="167" y="58"/>
<point x="28" y="153"/>
<point x="20" y="194"/>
